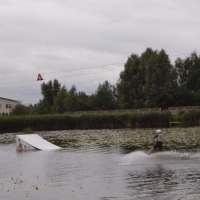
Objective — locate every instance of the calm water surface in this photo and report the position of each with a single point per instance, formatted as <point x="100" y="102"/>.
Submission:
<point x="97" y="174"/>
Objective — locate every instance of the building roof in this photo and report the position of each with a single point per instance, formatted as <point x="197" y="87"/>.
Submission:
<point x="9" y="99"/>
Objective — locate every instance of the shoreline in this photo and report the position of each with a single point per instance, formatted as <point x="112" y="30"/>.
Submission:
<point x="125" y="139"/>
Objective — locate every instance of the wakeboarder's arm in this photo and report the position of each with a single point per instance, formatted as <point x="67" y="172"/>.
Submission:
<point x="155" y="136"/>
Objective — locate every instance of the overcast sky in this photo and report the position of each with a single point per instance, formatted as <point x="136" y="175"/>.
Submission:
<point x="59" y="38"/>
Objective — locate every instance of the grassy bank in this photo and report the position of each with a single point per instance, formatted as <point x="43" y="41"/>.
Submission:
<point x="128" y="140"/>
<point x="96" y="121"/>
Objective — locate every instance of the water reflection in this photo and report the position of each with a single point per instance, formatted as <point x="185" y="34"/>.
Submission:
<point x="151" y="182"/>
<point x="162" y="176"/>
<point x="97" y="173"/>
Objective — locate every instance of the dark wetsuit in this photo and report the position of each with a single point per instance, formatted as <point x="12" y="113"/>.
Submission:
<point x="159" y="143"/>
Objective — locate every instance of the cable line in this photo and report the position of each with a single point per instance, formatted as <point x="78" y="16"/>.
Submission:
<point x="97" y="109"/>
<point x="70" y="70"/>
<point x="89" y="68"/>
<point x="62" y="77"/>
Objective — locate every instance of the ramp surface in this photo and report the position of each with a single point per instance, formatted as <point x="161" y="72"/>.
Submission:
<point x="35" y="141"/>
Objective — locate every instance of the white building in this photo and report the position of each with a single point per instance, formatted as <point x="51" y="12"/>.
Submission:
<point x="6" y="105"/>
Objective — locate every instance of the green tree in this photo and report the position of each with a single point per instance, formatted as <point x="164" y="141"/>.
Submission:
<point x="197" y="98"/>
<point x="148" y="80"/>
<point x="189" y="72"/>
<point x="70" y="100"/>
<point x="130" y="84"/>
<point x="21" y="109"/>
<point x="144" y="60"/>
<point x="43" y="107"/>
<point x="105" y="97"/>
<point x="49" y="91"/>
<point x="82" y="104"/>
<point x="59" y="105"/>
<point x="160" y="86"/>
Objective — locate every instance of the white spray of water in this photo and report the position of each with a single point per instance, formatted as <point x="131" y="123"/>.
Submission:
<point x="187" y="155"/>
<point x="137" y="157"/>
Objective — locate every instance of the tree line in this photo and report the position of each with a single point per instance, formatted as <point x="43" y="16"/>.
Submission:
<point x="148" y="80"/>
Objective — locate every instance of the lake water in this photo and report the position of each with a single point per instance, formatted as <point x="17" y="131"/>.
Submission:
<point x="97" y="174"/>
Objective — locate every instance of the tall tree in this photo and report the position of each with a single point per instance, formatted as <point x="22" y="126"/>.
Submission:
<point x="160" y="81"/>
<point x="71" y="102"/>
<point x="59" y="105"/>
<point x="185" y="96"/>
<point x="132" y="81"/>
<point x="49" y="91"/>
<point x="188" y="70"/>
<point x="129" y="85"/>
<point x="105" y="97"/>
<point x="82" y="104"/>
<point x="148" y="80"/>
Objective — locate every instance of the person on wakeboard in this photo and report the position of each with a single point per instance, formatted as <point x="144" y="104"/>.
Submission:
<point x="158" y="137"/>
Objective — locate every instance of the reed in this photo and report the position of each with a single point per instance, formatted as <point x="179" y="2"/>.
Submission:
<point x="27" y="130"/>
<point x="150" y="119"/>
<point x="95" y="121"/>
<point x="190" y="118"/>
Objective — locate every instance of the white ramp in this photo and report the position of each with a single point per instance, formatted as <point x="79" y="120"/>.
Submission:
<point x="33" y="142"/>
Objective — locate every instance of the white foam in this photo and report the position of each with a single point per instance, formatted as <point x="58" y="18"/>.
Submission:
<point x="180" y="155"/>
<point x="136" y="157"/>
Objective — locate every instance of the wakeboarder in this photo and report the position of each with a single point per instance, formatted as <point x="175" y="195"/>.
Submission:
<point x="158" y="137"/>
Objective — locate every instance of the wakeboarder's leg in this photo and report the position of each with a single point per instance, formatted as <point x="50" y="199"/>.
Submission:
<point x="150" y="151"/>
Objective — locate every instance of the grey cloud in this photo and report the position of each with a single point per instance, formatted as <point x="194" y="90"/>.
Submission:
<point x="46" y="36"/>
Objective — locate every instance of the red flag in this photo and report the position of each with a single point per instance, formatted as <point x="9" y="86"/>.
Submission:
<point x="39" y="78"/>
